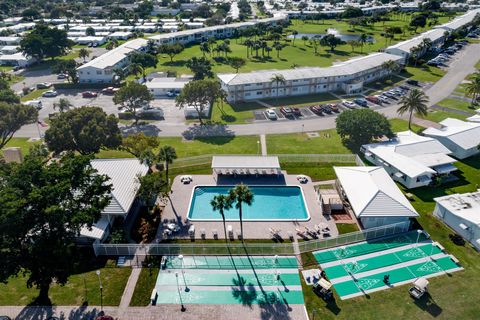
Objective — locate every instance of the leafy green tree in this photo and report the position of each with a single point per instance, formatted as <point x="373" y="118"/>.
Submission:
<point x="68" y="67"/>
<point x="31" y="14"/>
<point x="414" y="102"/>
<point x="8" y="96"/>
<point x="201" y="68"/>
<point x="391" y="67"/>
<point x="361" y="126"/>
<point x="351" y="12"/>
<point x="131" y="97"/>
<point x="83" y="54"/>
<point x="294" y="34"/>
<point x="472" y="88"/>
<point x="241" y="194"/>
<point x="146" y="60"/>
<point x="221" y="203"/>
<point x="151" y="185"/>
<point x="43" y="206"/>
<point x="136" y="69"/>
<point x="236" y="63"/>
<point x="331" y="41"/>
<point x="90" y="32"/>
<point x="200" y="94"/>
<point x="314" y="42"/>
<point x="85" y="130"/>
<point x="139" y="143"/>
<point x="12" y="118"/>
<point x="205" y="48"/>
<point x="62" y="105"/>
<point x="171" y="50"/>
<point x="144" y="9"/>
<point x="418" y="21"/>
<point x="45" y="42"/>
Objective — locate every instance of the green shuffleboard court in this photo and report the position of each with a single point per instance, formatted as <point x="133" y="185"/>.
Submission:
<point x="375" y="281"/>
<point x="232" y="262"/>
<point x="367" y="247"/>
<point x="382" y="261"/>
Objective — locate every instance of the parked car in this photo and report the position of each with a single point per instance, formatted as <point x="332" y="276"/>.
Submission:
<point x="390" y="95"/>
<point x="373" y="99"/>
<point x="50" y="94"/>
<point x="89" y="94"/>
<point x="172" y="94"/>
<point x="151" y="111"/>
<point x="16" y="68"/>
<point x="271" y="114"/>
<point x="383" y="99"/>
<point x="361" y="102"/>
<point x="333" y="107"/>
<point x="287" y="112"/>
<point x="35" y="103"/>
<point x="326" y="109"/>
<point x="404" y="87"/>
<point x="317" y="110"/>
<point x="297" y="112"/>
<point x="413" y="82"/>
<point x="62" y="76"/>
<point x="109" y="90"/>
<point x="44" y="85"/>
<point x="349" y="104"/>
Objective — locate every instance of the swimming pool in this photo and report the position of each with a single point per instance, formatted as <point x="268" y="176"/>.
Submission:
<point x="270" y="203"/>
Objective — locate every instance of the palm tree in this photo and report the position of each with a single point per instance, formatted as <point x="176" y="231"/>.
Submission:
<point x="167" y="154"/>
<point x="415" y="101"/>
<point x="362" y="39"/>
<point x="83" y="53"/>
<point x="278" y="46"/>
<point x="62" y="105"/>
<point x="136" y="69"/>
<point x="305" y="39"/>
<point x="294" y="34"/>
<point x="241" y="194"/>
<point x="205" y="48"/>
<point x="222" y="203"/>
<point x="278" y="79"/>
<point x="473" y="87"/>
<point x="248" y="43"/>
<point x="391" y="67"/>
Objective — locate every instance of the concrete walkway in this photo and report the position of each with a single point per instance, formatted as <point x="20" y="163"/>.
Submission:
<point x="130" y="288"/>
<point x="462" y="65"/>
<point x="263" y="144"/>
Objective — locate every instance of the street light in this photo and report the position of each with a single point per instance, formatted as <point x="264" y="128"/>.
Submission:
<point x="179" y="294"/>
<point x="101" y="289"/>
<point x="180" y="256"/>
<point x="275" y="261"/>
<point x="419" y="232"/>
<point x="258" y="147"/>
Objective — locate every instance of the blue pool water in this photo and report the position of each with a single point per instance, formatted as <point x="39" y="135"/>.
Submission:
<point x="270" y="203"/>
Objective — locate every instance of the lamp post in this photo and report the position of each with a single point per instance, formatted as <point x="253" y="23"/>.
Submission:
<point x="180" y="256"/>
<point x="101" y="289"/>
<point x="419" y="232"/>
<point x="179" y="294"/>
<point x="275" y="261"/>
<point x="303" y="125"/>
<point x="258" y="147"/>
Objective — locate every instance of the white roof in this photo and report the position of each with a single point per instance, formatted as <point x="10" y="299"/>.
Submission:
<point x="112" y="57"/>
<point x="123" y="175"/>
<point x="411" y="154"/>
<point x="17" y="56"/>
<point x="372" y="193"/>
<point x="464" y="134"/>
<point x="466" y="206"/>
<point x="407" y="45"/>
<point x="166" y="83"/>
<point x="245" y="162"/>
<point x="474" y="118"/>
<point x="347" y="68"/>
<point x="460" y="21"/>
<point x="98" y="228"/>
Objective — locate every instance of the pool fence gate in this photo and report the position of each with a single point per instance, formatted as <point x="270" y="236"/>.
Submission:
<point x="258" y="249"/>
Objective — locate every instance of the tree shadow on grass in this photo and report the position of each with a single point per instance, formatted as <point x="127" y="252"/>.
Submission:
<point x="175" y="63"/>
<point x="214" y="133"/>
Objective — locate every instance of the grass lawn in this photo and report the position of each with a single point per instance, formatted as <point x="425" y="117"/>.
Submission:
<point x="399" y="125"/>
<point x="453" y="296"/>
<point x="21" y="143"/>
<point x="200" y="146"/>
<point x="457" y="104"/>
<point x="35" y="94"/>
<point x="423" y="73"/>
<point x="346" y="227"/>
<point x="234" y="113"/>
<point x="144" y="287"/>
<point x="329" y="142"/>
<point x="318" y="171"/>
<point x="81" y="288"/>
<point x="437" y="115"/>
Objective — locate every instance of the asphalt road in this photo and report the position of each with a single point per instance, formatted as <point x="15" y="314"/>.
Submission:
<point x="174" y="125"/>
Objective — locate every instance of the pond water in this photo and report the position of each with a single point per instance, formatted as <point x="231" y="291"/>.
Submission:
<point x="343" y="37"/>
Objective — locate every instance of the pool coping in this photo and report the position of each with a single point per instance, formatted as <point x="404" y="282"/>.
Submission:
<point x="308" y="218"/>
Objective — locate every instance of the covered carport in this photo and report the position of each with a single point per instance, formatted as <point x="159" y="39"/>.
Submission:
<point x="246" y="165"/>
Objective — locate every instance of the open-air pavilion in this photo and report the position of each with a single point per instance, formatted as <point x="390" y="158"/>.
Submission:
<point x="246" y="165"/>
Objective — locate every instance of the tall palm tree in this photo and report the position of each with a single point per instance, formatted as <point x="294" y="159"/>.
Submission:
<point x="135" y="69"/>
<point x="278" y="79"/>
<point x="167" y="154"/>
<point x="391" y="67"/>
<point x="415" y="101"/>
<point x="241" y="194"/>
<point x="362" y="39"/>
<point x="473" y="87"/>
<point x="205" y="48"/>
<point x="62" y="105"/>
<point x="83" y="53"/>
<point x="222" y="203"/>
<point x="294" y="34"/>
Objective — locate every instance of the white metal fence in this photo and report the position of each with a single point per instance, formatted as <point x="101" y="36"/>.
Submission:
<point x="222" y="248"/>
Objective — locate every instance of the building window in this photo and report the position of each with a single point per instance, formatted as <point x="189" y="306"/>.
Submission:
<point x="99" y="71"/>
<point x="295" y="89"/>
<point x="259" y="92"/>
<point x="247" y="94"/>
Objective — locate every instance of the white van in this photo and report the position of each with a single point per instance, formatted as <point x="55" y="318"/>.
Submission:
<point x="35" y="103"/>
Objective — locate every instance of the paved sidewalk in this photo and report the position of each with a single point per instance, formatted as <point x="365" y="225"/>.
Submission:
<point x="263" y="144"/>
<point x="130" y="288"/>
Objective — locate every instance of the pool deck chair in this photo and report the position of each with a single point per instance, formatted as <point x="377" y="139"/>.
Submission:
<point x="215" y="234"/>
<point x="191" y="231"/>
<point x="202" y="234"/>
<point x="230" y="231"/>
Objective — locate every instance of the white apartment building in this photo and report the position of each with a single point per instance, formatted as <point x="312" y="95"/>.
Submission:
<point x="348" y="76"/>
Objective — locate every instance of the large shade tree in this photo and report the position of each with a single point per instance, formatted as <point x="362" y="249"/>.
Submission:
<point x="43" y="206"/>
<point x="45" y="42"/>
<point x="12" y="118"/>
<point x="132" y="97"/>
<point x="85" y="130"/>
<point x="414" y="102"/>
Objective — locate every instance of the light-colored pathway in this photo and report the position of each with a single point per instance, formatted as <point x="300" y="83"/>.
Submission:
<point x="263" y="144"/>
<point x="130" y="288"/>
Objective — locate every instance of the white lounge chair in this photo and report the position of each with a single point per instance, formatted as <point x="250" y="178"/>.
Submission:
<point x="191" y="231"/>
<point x="215" y="234"/>
<point x="202" y="233"/>
<point x="230" y="231"/>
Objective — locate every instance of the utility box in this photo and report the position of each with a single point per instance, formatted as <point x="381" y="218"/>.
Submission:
<point x="13" y="155"/>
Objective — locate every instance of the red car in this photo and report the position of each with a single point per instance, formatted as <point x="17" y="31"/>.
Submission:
<point x="89" y="94"/>
<point x="318" y="110"/>
<point x="373" y="99"/>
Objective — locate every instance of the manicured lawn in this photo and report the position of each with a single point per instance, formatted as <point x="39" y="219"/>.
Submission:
<point x="318" y="171"/>
<point x="21" y="143"/>
<point x="437" y="115"/>
<point x="35" y="94"/>
<point x="452" y="297"/>
<point x="457" y="104"/>
<point x="144" y="287"/>
<point x="346" y="227"/>
<point x="329" y="142"/>
<point x="81" y="288"/>
<point x="423" y="73"/>
<point x="399" y="125"/>
<point x="234" y="113"/>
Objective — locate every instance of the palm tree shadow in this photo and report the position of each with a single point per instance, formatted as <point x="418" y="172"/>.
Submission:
<point x="243" y="292"/>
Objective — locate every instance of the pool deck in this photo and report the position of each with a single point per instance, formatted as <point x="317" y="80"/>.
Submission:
<point x="177" y="209"/>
